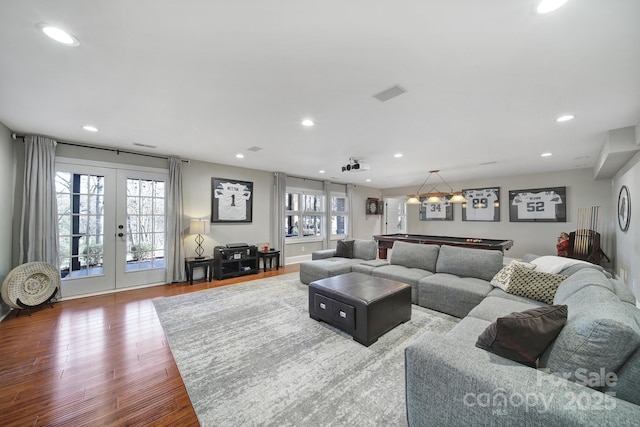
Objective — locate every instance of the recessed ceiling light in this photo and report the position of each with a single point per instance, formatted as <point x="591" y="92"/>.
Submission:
<point x="564" y="118"/>
<point x="59" y="35"/>
<point x="368" y="179"/>
<point x="239" y="156"/>
<point x="90" y="128"/>
<point x="307" y="122"/>
<point x="321" y="171"/>
<point x="546" y="6"/>
<point x="397" y="155"/>
<point x="546" y="154"/>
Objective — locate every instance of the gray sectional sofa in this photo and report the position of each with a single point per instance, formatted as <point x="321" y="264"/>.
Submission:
<point x="589" y="375"/>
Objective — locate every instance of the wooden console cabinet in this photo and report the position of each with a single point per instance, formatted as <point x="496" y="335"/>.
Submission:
<point x="233" y="262"/>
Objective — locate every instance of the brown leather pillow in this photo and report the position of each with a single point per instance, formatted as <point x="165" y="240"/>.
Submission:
<point x="344" y="249"/>
<point x="524" y="336"/>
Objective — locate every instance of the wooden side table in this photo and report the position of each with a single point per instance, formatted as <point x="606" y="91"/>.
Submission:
<point x="270" y="255"/>
<point x="206" y="263"/>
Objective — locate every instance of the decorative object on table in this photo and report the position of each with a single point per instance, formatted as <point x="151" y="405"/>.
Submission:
<point x="268" y="254"/>
<point x="562" y="244"/>
<point x="584" y="243"/>
<point x="30" y="285"/>
<point x="483" y="204"/>
<point x="231" y="200"/>
<point x="624" y="208"/>
<point x="439" y="211"/>
<point x="538" y="205"/>
<point x="434" y="195"/>
<point x="198" y="227"/>
<point x="374" y="206"/>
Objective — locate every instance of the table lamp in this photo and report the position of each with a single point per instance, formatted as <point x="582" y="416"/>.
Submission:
<point x="198" y="227"/>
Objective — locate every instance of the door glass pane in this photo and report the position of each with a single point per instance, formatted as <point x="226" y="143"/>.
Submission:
<point x="80" y="224"/>
<point x="145" y="224"/>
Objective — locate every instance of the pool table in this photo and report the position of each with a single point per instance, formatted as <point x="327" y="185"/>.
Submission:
<point x="385" y="242"/>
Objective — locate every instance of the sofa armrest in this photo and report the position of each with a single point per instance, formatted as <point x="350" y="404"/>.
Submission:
<point x="323" y="254"/>
<point x="456" y="384"/>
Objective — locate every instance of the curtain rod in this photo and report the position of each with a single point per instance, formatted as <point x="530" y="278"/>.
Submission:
<point x="15" y="136"/>
<point x="306" y="178"/>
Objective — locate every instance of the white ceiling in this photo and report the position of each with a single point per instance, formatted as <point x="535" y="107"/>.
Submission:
<point x="207" y="79"/>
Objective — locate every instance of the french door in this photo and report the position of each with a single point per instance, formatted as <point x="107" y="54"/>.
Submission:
<point x="112" y="229"/>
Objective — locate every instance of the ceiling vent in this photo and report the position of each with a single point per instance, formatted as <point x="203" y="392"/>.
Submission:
<point x="139" y="144"/>
<point x="392" y="92"/>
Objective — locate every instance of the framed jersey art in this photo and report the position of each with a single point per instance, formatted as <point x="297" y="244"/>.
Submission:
<point x="436" y="211"/>
<point x="538" y="205"/>
<point x="483" y="204"/>
<point x="231" y="200"/>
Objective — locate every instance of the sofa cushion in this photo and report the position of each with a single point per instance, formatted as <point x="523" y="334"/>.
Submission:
<point x="323" y="268"/>
<point x="467" y="330"/>
<point x="555" y="264"/>
<point x="365" y="249"/>
<point x="366" y="267"/>
<point x="502" y="277"/>
<point x="465" y="262"/>
<point x="579" y="281"/>
<point x="601" y="333"/>
<point x="493" y="306"/>
<point x="402" y="274"/>
<point x="415" y="255"/>
<point x="452" y="294"/>
<point x="344" y="248"/>
<point x="626" y="385"/>
<point x="523" y="336"/>
<point x="623" y="292"/>
<point x="535" y="285"/>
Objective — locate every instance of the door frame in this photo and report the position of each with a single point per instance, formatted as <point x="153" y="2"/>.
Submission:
<point x="74" y="290"/>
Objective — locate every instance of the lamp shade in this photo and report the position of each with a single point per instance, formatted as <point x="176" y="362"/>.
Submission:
<point x="413" y="200"/>
<point x="197" y="226"/>
<point x="457" y="198"/>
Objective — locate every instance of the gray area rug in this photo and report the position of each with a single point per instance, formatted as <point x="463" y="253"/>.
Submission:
<point x="250" y="355"/>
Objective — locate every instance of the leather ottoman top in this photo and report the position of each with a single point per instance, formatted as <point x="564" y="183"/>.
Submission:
<point x="359" y="286"/>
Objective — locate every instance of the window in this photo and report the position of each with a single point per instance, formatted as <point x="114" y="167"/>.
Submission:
<point x="339" y="215"/>
<point x="80" y="223"/>
<point x="402" y="217"/>
<point x="304" y="214"/>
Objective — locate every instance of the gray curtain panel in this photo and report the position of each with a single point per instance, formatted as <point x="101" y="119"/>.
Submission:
<point x="277" y="227"/>
<point x="175" y="228"/>
<point x="350" y="192"/>
<point x="39" y="219"/>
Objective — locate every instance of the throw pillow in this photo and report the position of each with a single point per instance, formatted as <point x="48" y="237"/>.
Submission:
<point x="523" y="337"/>
<point x="534" y="284"/>
<point x="344" y="249"/>
<point x="555" y="264"/>
<point x="503" y="277"/>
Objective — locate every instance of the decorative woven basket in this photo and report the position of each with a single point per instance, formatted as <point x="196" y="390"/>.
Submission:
<point x="31" y="283"/>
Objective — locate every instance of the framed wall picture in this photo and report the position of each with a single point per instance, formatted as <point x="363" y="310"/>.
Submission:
<point x="231" y="200"/>
<point x="624" y="208"/>
<point x="483" y="204"/>
<point x="374" y="206"/>
<point x="436" y="211"/>
<point x="538" y="205"/>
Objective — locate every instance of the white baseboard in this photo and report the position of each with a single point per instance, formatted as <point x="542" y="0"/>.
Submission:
<point x="297" y="259"/>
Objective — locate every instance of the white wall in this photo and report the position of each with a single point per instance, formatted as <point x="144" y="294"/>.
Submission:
<point x="196" y="183"/>
<point x="528" y="237"/>
<point x="7" y="173"/>
<point x="627" y="263"/>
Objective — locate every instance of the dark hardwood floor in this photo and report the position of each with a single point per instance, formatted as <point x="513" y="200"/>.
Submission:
<point x="96" y="361"/>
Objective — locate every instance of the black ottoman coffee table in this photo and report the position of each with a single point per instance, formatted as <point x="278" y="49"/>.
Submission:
<point x="364" y="306"/>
